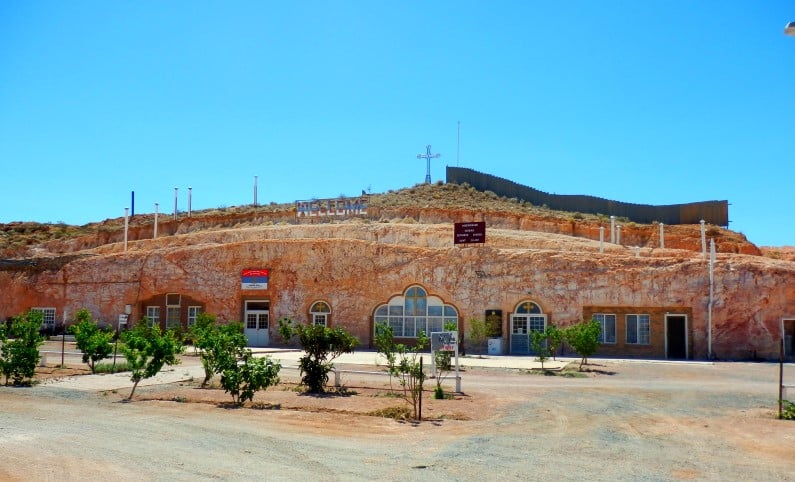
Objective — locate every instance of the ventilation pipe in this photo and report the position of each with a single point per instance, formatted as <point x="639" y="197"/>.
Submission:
<point x="703" y="240"/>
<point x="155" y="234"/>
<point x="601" y="239"/>
<point x="613" y="229"/>
<point x="662" y="236"/>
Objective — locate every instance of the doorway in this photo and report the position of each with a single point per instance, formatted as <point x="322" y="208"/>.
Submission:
<point x="257" y="316"/>
<point x="676" y="337"/>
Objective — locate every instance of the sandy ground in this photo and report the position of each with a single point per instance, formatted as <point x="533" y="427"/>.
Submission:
<point x="623" y="421"/>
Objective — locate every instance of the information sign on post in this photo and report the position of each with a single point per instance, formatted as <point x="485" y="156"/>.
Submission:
<point x="474" y="232"/>
<point x="445" y="341"/>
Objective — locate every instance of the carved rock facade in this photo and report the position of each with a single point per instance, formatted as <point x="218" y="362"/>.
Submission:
<point x="357" y="267"/>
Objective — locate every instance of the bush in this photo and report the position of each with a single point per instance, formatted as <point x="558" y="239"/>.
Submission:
<point x="321" y="345"/>
<point x="19" y="356"/>
<point x="112" y="368"/>
<point x="242" y="379"/>
<point x="90" y="339"/>
<point x="788" y="410"/>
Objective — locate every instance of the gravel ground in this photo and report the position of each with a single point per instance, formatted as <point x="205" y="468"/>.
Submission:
<point x="625" y="421"/>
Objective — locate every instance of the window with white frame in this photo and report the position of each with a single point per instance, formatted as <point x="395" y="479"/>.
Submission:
<point x="607" y="323"/>
<point x="193" y="313"/>
<point x="414" y="312"/>
<point x="153" y="315"/>
<point x="48" y="316"/>
<point x="320" y="313"/>
<point x="638" y="330"/>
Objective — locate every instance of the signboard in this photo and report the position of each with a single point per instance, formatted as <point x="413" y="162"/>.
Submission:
<point x="356" y="206"/>
<point x="254" y="279"/>
<point x="444" y="340"/>
<point x="470" y="232"/>
<point x="494" y="323"/>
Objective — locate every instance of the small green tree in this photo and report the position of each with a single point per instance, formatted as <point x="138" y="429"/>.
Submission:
<point x="555" y="339"/>
<point x="583" y="339"/>
<point x="538" y="340"/>
<point x="249" y="375"/>
<point x="220" y="346"/>
<point x="147" y="350"/>
<point x="321" y="346"/>
<point x="385" y="344"/>
<point x="479" y="331"/>
<point x="90" y="339"/>
<point x="20" y="355"/>
<point x="443" y="362"/>
<point x="411" y="373"/>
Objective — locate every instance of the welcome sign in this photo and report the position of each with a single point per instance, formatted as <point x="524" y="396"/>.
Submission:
<point x="254" y="279"/>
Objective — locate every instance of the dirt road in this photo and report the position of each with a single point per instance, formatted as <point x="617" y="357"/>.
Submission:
<point x="625" y="421"/>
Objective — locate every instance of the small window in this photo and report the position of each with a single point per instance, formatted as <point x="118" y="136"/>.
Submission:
<point x="607" y="322"/>
<point x="320" y="313"/>
<point x="153" y="314"/>
<point x="48" y="316"/>
<point x="193" y="313"/>
<point x="638" y="330"/>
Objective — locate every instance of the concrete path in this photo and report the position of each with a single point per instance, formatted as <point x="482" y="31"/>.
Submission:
<point x="191" y="368"/>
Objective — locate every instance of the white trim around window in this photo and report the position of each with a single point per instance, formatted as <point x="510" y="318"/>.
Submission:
<point x="607" y="322"/>
<point x="48" y="314"/>
<point x="638" y="329"/>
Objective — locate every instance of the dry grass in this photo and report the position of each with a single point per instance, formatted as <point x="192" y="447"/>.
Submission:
<point x="28" y="239"/>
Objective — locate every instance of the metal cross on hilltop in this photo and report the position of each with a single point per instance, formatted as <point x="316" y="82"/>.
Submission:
<point x="428" y="156"/>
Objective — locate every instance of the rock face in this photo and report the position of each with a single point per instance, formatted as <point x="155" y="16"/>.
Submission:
<point x="357" y="266"/>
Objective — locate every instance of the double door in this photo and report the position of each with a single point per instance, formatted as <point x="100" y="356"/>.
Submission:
<point x="257" y="324"/>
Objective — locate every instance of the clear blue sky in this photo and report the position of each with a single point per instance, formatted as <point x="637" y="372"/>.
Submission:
<point x="654" y="102"/>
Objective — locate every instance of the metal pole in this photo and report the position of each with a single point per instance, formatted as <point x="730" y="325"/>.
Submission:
<point x="63" y="338"/>
<point x="419" y="414"/>
<point x="255" y="190"/>
<point x="155" y="235"/>
<point x="132" y="204"/>
<point x="175" y="203"/>
<point x="662" y="236"/>
<point x="126" y="226"/>
<point x="711" y="296"/>
<point x="618" y="234"/>
<point x="458" y="145"/>
<point x="190" y="197"/>
<point x="781" y="378"/>
<point x="703" y="240"/>
<point x="457" y="375"/>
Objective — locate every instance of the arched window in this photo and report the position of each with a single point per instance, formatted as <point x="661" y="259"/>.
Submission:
<point x="415" y="311"/>
<point x="320" y="312"/>
<point x="528" y="308"/>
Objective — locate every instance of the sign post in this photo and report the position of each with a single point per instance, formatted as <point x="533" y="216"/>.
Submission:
<point x="445" y="341"/>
